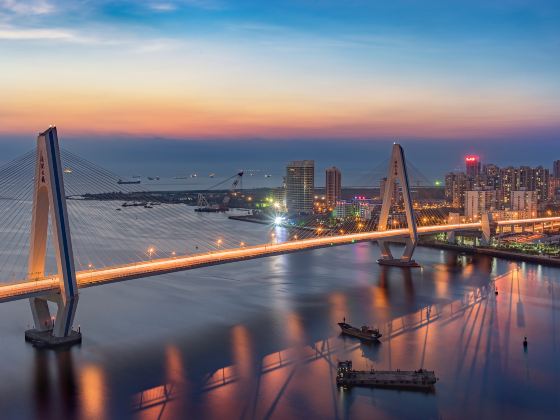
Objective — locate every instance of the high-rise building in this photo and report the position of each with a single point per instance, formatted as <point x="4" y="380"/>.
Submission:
<point x="524" y="200"/>
<point x="333" y="186"/>
<point x="456" y="183"/>
<point x="540" y="182"/>
<point x="509" y="182"/>
<point x="479" y="201"/>
<point x="472" y="165"/>
<point x="556" y="169"/>
<point x="300" y="185"/>
<point x="491" y="176"/>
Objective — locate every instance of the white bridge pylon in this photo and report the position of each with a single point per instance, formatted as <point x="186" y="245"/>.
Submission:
<point x="397" y="173"/>
<point x="49" y="201"/>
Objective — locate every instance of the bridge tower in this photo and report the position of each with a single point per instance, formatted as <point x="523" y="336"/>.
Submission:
<point x="397" y="173"/>
<point x="49" y="201"/>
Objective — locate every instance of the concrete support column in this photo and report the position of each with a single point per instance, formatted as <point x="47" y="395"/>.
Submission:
<point x="451" y="237"/>
<point x="49" y="202"/>
<point x="397" y="172"/>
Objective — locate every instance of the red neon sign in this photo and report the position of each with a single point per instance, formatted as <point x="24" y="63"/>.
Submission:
<point x="471" y="158"/>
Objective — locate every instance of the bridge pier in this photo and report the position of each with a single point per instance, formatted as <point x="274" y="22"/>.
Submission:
<point x="397" y="172"/>
<point x="49" y="200"/>
<point x="488" y="227"/>
<point x="451" y="239"/>
<point x="388" y="259"/>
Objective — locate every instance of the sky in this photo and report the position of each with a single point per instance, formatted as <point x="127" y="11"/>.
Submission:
<point x="294" y="69"/>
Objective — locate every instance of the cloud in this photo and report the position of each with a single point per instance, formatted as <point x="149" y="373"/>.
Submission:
<point x="173" y="5"/>
<point x="29" y="7"/>
<point x="14" y="34"/>
<point x="55" y="35"/>
<point x="62" y="35"/>
<point x="205" y="4"/>
<point x="163" y="7"/>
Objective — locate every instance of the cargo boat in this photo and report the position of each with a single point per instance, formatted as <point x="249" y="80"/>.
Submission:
<point x="420" y="379"/>
<point x="365" y="333"/>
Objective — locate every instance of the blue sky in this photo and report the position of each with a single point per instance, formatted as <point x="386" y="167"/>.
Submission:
<point x="271" y="69"/>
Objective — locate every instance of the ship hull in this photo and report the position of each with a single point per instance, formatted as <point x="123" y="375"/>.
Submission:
<point x="355" y="332"/>
<point x="389" y="379"/>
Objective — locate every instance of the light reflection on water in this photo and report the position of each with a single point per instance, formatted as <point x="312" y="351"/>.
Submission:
<point x="259" y="339"/>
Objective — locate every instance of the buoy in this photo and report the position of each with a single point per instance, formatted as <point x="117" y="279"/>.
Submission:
<point x="525" y="342"/>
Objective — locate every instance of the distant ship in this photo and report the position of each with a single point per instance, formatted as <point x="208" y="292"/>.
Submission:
<point x="194" y="175"/>
<point x="267" y="176"/>
<point x="156" y="178"/>
<point x="212" y="175"/>
<point x="120" y="181"/>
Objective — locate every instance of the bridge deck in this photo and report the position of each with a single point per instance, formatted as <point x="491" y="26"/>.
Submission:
<point x="87" y="278"/>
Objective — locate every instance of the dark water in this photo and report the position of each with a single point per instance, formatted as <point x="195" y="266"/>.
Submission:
<point x="259" y="339"/>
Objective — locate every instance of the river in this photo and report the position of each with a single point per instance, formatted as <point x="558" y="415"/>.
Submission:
<point x="259" y="339"/>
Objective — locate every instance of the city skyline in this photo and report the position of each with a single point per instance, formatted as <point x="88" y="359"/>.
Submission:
<point x="222" y="69"/>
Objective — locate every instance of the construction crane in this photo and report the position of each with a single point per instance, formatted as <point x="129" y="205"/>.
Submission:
<point x="202" y="201"/>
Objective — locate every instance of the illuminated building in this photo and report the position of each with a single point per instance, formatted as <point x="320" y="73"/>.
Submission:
<point x="523" y="200"/>
<point x="491" y="176"/>
<point x="479" y="201"/>
<point x="333" y="186"/>
<point x="456" y="183"/>
<point x="345" y="209"/>
<point x="509" y="180"/>
<point x="556" y="169"/>
<point x="540" y="182"/>
<point x="365" y="207"/>
<point x="300" y="185"/>
<point x="472" y="165"/>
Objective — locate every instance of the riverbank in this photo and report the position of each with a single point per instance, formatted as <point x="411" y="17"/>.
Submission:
<point x="538" y="259"/>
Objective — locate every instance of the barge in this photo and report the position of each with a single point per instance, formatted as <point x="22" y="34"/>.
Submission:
<point x="420" y="379"/>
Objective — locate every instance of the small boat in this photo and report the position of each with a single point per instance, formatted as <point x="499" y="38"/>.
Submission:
<point x="67" y="170"/>
<point x="365" y="333"/>
<point x="120" y="181"/>
<point x="420" y="379"/>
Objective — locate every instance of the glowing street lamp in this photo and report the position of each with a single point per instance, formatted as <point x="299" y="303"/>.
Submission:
<point x="151" y="251"/>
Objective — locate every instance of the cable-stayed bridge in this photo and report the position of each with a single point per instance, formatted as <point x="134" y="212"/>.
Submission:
<point x="63" y="229"/>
